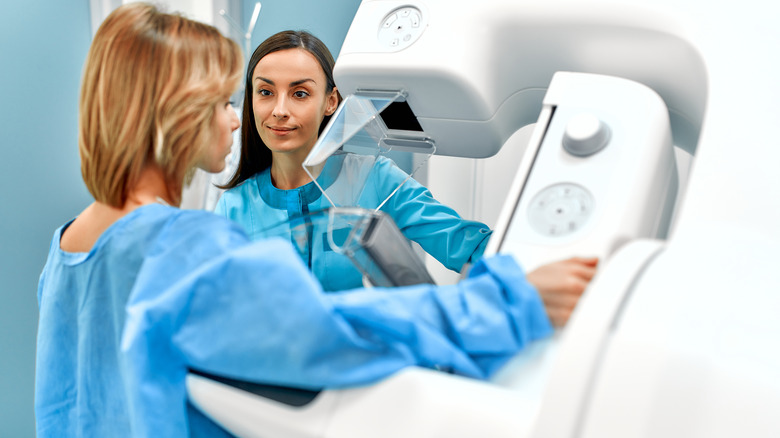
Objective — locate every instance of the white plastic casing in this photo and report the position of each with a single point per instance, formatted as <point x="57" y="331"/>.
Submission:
<point x="694" y="351"/>
<point x="477" y="72"/>
<point x="395" y="407"/>
<point x="561" y="204"/>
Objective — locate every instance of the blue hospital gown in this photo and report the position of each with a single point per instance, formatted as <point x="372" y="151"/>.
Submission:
<point x="355" y="180"/>
<point x="165" y="290"/>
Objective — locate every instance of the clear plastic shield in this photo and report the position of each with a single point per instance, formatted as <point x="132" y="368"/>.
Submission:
<point x="344" y="159"/>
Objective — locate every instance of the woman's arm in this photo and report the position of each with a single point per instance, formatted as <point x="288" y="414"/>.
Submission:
<point x="438" y="228"/>
<point x="255" y="312"/>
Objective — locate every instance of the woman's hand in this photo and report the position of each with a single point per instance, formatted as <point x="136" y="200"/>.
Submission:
<point x="561" y="284"/>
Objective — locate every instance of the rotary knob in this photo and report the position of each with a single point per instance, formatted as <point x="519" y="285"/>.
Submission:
<point x="585" y="135"/>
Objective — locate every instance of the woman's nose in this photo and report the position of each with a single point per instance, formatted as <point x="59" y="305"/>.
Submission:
<point x="280" y="109"/>
<point x="235" y="122"/>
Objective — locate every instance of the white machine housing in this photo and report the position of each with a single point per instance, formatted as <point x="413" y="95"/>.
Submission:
<point x="674" y="337"/>
<point x="475" y="73"/>
<point x="587" y="190"/>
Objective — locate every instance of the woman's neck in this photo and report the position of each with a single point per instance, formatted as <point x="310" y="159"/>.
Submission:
<point x="287" y="172"/>
<point x="150" y="188"/>
<point x="85" y="230"/>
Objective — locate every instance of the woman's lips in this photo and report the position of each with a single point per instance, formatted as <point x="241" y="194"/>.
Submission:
<point x="280" y="130"/>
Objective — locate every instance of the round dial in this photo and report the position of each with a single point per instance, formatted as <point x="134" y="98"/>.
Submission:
<point x="400" y="28"/>
<point x="560" y="209"/>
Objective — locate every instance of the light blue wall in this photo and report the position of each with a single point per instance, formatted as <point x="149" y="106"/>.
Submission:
<point x="327" y="20"/>
<point x="43" y="45"/>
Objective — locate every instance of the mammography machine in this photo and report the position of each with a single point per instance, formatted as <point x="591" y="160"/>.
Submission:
<point x="676" y="336"/>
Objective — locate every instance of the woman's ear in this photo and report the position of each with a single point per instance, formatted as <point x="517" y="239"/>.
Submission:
<point x="333" y="102"/>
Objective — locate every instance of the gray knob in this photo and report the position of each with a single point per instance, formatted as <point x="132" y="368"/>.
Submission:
<point x="585" y="135"/>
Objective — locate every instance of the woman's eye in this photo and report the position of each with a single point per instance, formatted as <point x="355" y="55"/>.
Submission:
<point x="263" y="92"/>
<point x="300" y="94"/>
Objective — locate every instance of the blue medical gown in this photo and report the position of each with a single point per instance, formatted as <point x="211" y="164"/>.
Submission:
<point x="167" y="290"/>
<point x="354" y="180"/>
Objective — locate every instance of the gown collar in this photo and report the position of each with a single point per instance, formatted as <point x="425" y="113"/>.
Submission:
<point x="309" y="193"/>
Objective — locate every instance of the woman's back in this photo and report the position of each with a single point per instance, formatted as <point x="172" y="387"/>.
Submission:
<point x="82" y="299"/>
<point x="81" y="378"/>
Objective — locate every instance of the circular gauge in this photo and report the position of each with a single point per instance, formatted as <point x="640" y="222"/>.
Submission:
<point x="560" y="209"/>
<point x="400" y="28"/>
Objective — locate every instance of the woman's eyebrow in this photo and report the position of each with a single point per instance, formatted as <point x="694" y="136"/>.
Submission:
<point x="292" y="84"/>
<point x="270" y="82"/>
<point x="301" y="81"/>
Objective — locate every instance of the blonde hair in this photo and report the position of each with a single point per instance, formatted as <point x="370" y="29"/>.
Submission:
<point x="151" y="83"/>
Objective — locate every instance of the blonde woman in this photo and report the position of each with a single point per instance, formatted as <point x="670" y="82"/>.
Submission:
<point x="136" y="292"/>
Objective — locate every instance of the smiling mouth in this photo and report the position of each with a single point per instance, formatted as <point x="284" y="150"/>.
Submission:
<point x="280" y="131"/>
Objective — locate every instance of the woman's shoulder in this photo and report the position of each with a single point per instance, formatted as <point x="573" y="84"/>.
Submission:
<point x="163" y="226"/>
<point x="378" y="170"/>
<point x="377" y="161"/>
<point x="151" y="230"/>
<point x="199" y="222"/>
<point x="249" y="185"/>
<point x="186" y="239"/>
<point x="390" y="176"/>
<point x="238" y="202"/>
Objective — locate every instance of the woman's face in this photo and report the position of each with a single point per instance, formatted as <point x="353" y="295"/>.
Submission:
<point x="289" y="101"/>
<point x="226" y="121"/>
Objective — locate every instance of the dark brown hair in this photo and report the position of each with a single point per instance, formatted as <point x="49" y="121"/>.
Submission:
<point x="255" y="155"/>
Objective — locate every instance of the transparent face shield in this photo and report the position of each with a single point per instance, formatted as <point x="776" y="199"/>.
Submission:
<point x="357" y="129"/>
<point x="343" y="164"/>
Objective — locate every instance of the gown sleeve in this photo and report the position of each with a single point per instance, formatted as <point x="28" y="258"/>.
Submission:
<point x="254" y="312"/>
<point x="438" y="228"/>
